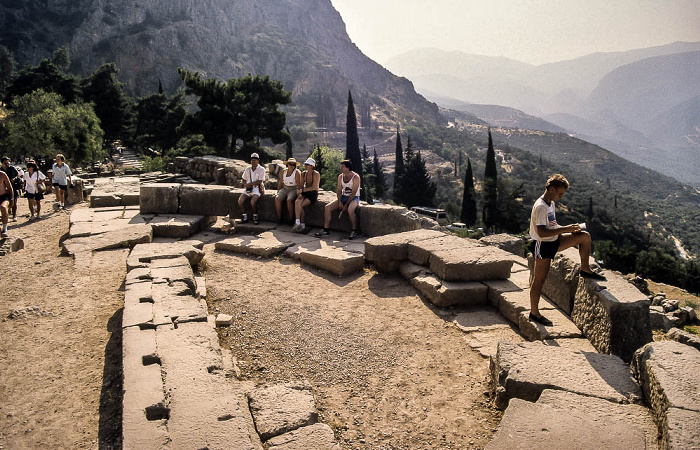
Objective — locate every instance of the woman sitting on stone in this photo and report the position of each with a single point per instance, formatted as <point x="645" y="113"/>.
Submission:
<point x="289" y="181"/>
<point x="307" y="193"/>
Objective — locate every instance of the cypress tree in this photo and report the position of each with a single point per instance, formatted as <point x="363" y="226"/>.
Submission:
<point x="160" y="87"/>
<point x="352" y="141"/>
<point x="456" y="169"/>
<point x="408" y="154"/>
<point x="590" y="208"/>
<point x="398" y="169"/>
<point x="289" y="145"/>
<point x="490" y="190"/>
<point x="421" y="190"/>
<point x="380" y="186"/>
<point x="468" y="214"/>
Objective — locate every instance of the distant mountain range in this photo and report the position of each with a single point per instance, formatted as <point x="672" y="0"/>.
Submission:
<point x="642" y="104"/>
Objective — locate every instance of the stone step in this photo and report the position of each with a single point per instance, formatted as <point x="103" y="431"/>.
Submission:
<point x="670" y="379"/>
<point x="334" y="260"/>
<point x="450" y="293"/>
<point x="179" y="225"/>
<point x="524" y="370"/>
<point x="143" y="254"/>
<point x="566" y="420"/>
<point x="125" y="237"/>
<point x="263" y="245"/>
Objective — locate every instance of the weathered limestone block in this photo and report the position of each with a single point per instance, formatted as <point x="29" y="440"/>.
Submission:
<point x="74" y="193"/>
<point x="379" y="220"/>
<point x="144" y="409"/>
<point x="282" y="408"/>
<point x="562" y="326"/>
<point x="99" y="199"/>
<point x="669" y="376"/>
<point x="125" y="237"/>
<point x="159" y="198"/>
<point x="684" y="337"/>
<point x="506" y="242"/>
<point x="448" y="293"/>
<point x="130" y="198"/>
<point x="419" y="252"/>
<point x="394" y="246"/>
<point x="525" y="370"/>
<point x="562" y="279"/>
<point x="206" y="409"/>
<point x="409" y="270"/>
<point x="334" y="260"/>
<point x="318" y="436"/>
<point x="172" y="274"/>
<point x="11" y="244"/>
<point x="613" y="315"/>
<point x="659" y="320"/>
<point x="199" y="199"/>
<point x="81" y="215"/>
<point x="568" y="420"/>
<point x="264" y="245"/>
<point x="476" y="263"/>
<point x="142" y="254"/>
<point x="179" y="225"/>
<point x="514" y="304"/>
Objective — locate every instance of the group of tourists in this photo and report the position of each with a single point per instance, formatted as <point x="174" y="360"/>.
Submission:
<point x="30" y="183"/>
<point x="300" y="190"/>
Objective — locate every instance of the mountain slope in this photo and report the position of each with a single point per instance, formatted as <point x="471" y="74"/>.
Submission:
<point x="302" y="43"/>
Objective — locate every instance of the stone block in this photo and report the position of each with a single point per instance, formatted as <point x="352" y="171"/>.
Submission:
<point x="379" y="220"/>
<point x="684" y="337"/>
<point x="142" y="254"/>
<point x="81" y="215"/>
<point x="613" y="315"/>
<point x="475" y="263"/>
<point x="565" y="420"/>
<point x="480" y="319"/>
<point x="282" y="408"/>
<point x="395" y="246"/>
<point x="159" y="198"/>
<point x="11" y="244"/>
<point x="419" y="252"/>
<point x="135" y="293"/>
<point x="562" y="326"/>
<point x="206" y="200"/>
<point x="449" y="293"/>
<point x="485" y="342"/>
<point x="124" y="237"/>
<point x="506" y="242"/>
<point x="178" y="226"/>
<point x="99" y="199"/>
<point x="173" y="274"/>
<point x="660" y="320"/>
<point x="138" y="315"/>
<point x="223" y="320"/>
<point x="334" y="260"/>
<point x="74" y="193"/>
<point x="409" y="270"/>
<point x="318" y="436"/>
<point x="265" y="245"/>
<point x="681" y="429"/>
<point x="669" y="376"/>
<point x="513" y="304"/>
<point x="130" y="199"/>
<point x="524" y="370"/>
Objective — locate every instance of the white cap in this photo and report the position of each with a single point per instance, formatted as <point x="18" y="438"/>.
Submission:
<point x="310" y="161"/>
<point x="254" y="155"/>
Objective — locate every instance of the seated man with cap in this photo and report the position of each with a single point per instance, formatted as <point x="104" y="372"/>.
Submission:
<point x="253" y="182"/>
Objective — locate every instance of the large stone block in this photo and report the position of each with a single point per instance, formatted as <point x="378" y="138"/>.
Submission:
<point x="125" y="237"/>
<point x="333" y="260"/>
<point x="142" y="254"/>
<point x="506" y="242"/>
<point x="74" y="193"/>
<point x="160" y="198"/>
<point x="394" y="246"/>
<point x="613" y="315"/>
<point x="266" y="246"/>
<point x="378" y="220"/>
<point x="669" y="376"/>
<point x="448" y="293"/>
<point x="684" y="337"/>
<point x="318" y="436"/>
<point x="476" y="263"/>
<point x="100" y="199"/>
<point x="525" y="370"/>
<point x="179" y="225"/>
<point x="282" y="408"/>
<point x="419" y="252"/>
<point x="206" y="200"/>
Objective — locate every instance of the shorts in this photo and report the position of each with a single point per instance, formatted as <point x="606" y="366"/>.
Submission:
<point x="344" y="199"/>
<point x="63" y="187"/>
<point x="290" y="192"/>
<point x="252" y="192"/>
<point x="544" y="250"/>
<point x="6" y="197"/>
<point x="311" y="195"/>
<point x="37" y="196"/>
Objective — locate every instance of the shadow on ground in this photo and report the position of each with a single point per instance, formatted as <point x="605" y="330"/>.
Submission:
<point x="110" y="427"/>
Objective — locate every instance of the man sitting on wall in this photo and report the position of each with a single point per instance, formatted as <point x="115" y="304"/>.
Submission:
<point x="253" y="179"/>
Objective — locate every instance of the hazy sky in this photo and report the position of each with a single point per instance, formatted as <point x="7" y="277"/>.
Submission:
<point x="532" y="31"/>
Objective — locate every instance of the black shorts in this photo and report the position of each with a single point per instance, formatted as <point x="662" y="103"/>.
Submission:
<point x="37" y="196"/>
<point x="311" y="195"/>
<point x="63" y="187"/>
<point x="6" y="197"/>
<point x="544" y="250"/>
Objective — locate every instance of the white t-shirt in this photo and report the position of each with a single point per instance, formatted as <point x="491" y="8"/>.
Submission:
<point x="31" y="181"/>
<point x="543" y="214"/>
<point x="60" y="174"/>
<point x="251" y="176"/>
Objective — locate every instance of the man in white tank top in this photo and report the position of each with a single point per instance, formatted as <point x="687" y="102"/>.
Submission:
<point x="348" y="200"/>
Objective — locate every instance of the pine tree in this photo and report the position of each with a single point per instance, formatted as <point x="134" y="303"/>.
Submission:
<point x="420" y="190"/>
<point x="490" y="189"/>
<point x="398" y="169"/>
<point x="352" y="142"/>
<point x="289" y="145"/>
<point x="380" y="186"/>
<point x="468" y="214"/>
<point x="160" y="87"/>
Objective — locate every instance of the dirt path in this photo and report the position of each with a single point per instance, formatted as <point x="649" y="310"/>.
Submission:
<point x="388" y="372"/>
<point x="53" y="360"/>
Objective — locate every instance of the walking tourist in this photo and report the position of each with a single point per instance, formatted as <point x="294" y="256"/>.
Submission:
<point x="61" y="179"/>
<point x="15" y="176"/>
<point x="34" y="187"/>
<point x="7" y="195"/>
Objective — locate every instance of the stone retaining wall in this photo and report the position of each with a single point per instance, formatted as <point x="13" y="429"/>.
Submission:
<point x="215" y="200"/>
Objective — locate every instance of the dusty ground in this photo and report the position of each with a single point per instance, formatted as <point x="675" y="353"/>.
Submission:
<point x="387" y="371"/>
<point x="60" y="365"/>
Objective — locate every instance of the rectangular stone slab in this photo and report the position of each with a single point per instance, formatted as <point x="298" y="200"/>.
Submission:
<point x="525" y="370"/>
<point x="252" y="245"/>
<point x="419" y="252"/>
<point x="318" y="436"/>
<point x="200" y="199"/>
<point x="159" y="198"/>
<point x="449" y="293"/>
<point x="141" y="255"/>
<point x="334" y="260"/>
<point x="395" y="246"/>
<point x="562" y="326"/>
<point x="282" y="408"/>
<point x="613" y="315"/>
<point x="474" y="263"/>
